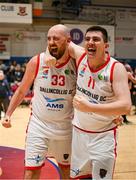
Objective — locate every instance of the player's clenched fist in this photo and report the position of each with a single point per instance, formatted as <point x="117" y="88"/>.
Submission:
<point x="6" y="122"/>
<point x="51" y="62"/>
<point x="81" y="104"/>
<point x="118" y="121"/>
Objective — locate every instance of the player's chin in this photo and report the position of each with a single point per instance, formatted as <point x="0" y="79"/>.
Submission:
<point x="54" y="54"/>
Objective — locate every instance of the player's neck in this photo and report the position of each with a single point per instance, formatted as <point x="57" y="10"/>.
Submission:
<point x="64" y="58"/>
<point x="98" y="62"/>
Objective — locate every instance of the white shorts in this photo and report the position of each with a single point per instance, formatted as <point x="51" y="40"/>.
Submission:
<point x="37" y="149"/>
<point x="93" y="153"/>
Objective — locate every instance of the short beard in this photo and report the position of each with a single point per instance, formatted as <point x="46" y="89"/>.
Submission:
<point x="57" y="56"/>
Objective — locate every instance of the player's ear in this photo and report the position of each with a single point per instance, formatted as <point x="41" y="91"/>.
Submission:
<point x="106" y="45"/>
<point x="69" y="39"/>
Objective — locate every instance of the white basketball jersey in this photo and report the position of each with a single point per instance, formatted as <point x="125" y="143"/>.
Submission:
<point x="96" y="87"/>
<point x="52" y="109"/>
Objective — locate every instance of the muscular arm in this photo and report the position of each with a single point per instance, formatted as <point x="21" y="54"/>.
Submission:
<point x="74" y="51"/>
<point x="21" y="90"/>
<point x="122" y="103"/>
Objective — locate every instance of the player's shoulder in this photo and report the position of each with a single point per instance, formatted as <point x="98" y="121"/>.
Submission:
<point x="116" y="62"/>
<point x="33" y="60"/>
<point x="119" y="67"/>
<point x="32" y="63"/>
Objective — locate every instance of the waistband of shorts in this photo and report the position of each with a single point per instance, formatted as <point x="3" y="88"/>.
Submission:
<point x="86" y="131"/>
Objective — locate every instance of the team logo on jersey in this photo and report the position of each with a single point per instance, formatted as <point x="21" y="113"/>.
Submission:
<point x="72" y="72"/>
<point x="102" y="77"/>
<point x="37" y="159"/>
<point x="82" y="71"/>
<point x="53" y="105"/>
<point x="69" y="71"/>
<point x="103" y="173"/>
<point x="75" y="171"/>
<point x="45" y="72"/>
<point x="65" y="156"/>
<point x="54" y="99"/>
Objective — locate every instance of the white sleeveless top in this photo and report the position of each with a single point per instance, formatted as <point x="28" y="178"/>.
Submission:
<point x="96" y="87"/>
<point x="54" y="89"/>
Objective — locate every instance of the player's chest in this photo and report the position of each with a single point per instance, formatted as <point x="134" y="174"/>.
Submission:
<point x="57" y="77"/>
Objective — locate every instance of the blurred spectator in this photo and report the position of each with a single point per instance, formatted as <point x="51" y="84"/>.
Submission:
<point x="3" y="67"/>
<point x="132" y="78"/>
<point x="14" y="63"/>
<point x="14" y="86"/>
<point x="130" y="72"/>
<point x="18" y="73"/>
<point x="11" y="74"/>
<point x="4" y="93"/>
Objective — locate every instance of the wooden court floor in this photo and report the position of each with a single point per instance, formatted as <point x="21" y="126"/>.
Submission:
<point x="125" y="168"/>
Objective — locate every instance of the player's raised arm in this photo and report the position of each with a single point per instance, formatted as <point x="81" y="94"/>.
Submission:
<point x="50" y="60"/>
<point x="75" y="51"/>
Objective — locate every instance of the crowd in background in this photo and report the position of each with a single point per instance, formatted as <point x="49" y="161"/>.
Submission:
<point x="11" y="75"/>
<point x="13" y="71"/>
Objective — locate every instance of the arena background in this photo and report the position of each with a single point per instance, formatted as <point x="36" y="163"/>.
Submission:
<point x="23" y="28"/>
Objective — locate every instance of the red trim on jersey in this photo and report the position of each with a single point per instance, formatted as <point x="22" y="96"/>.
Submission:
<point x="63" y="64"/>
<point x="115" y="151"/>
<point x="28" y="122"/>
<point x="64" y="165"/>
<point x="113" y="168"/>
<point x="83" y="176"/>
<point x="60" y="164"/>
<point x="80" y="59"/>
<point x="101" y="67"/>
<point x="34" y="167"/>
<point x="93" y="84"/>
<point x="112" y="68"/>
<point x="37" y="65"/>
<point x="86" y="131"/>
<point x="115" y="134"/>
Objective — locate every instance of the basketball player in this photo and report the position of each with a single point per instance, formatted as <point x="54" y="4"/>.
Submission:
<point x="130" y="73"/>
<point x="101" y="88"/>
<point x="49" y="129"/>
<point x="131" y="82"/>
<point x="102" y="84"/>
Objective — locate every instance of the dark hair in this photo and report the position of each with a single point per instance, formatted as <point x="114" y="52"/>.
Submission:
<point x="99" y="29"/>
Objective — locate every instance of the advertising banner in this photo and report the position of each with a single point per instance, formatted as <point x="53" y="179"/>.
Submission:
<point x="15" y="13"/>
<point x="26" y="43"/>
<point x="5" y="47"/>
